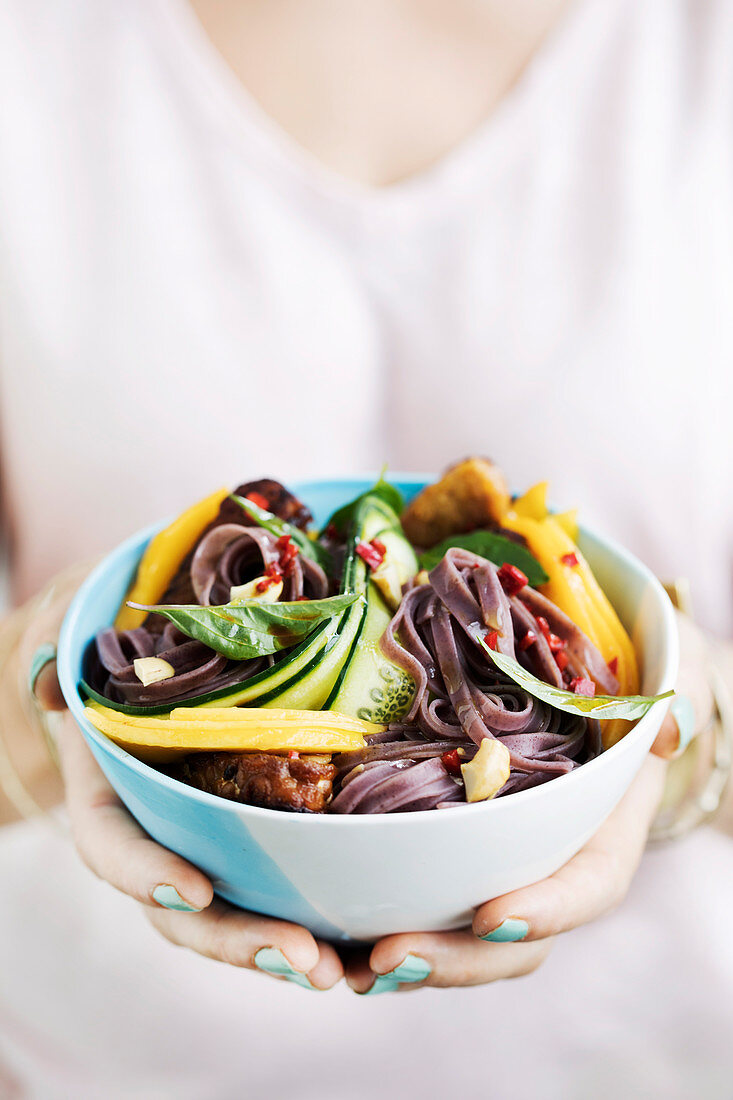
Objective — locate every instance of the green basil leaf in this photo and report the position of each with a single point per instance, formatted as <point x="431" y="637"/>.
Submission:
<point x="382" y="489"/>
<point x="251" y="628"/>
<point x="604" y="707"/>
<point x="279" y="527"/>
<point x="495" y="547"/>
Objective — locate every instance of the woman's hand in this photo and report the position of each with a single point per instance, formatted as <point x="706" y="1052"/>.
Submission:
<point x="178" y="898"/>
<point x="512" y="935"/>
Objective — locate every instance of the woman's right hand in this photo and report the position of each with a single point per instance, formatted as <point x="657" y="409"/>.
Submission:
<point x="178" y="898"/>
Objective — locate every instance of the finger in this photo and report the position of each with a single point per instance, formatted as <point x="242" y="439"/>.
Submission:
<point x="111" y="842"/>
<point x="677" y="729"/>
<point x="47" y="689"/>
<point x="593" y="882"/>
<point x="440" y="959"/>
<point x="329" y="969"/>
<point x="691" y="709"/>
<point x="37" y="645"/>
<point x="253" y="942"/>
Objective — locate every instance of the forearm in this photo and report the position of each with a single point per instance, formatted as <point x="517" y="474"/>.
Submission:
<point x="29" y="779"/>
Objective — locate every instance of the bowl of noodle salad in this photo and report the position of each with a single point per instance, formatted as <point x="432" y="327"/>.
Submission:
<point x="368" y="705"/>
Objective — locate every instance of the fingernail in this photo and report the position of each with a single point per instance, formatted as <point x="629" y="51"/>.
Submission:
<point x="411" y="969"/>
<point x="683" y="713"/>
<point x="509" y="931"/>
<point x="169" y="898"/>
<point x="42" y="656"/>
<point x="272" y="961"/>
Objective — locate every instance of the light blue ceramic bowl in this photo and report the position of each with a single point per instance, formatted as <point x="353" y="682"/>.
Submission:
<point x="360" y="877"/>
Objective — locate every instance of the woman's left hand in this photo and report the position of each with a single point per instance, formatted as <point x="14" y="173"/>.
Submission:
<point x="512" y="935"/>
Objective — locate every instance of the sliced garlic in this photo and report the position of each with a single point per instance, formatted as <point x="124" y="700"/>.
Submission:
<point x="249" y="591"/>
<point x="388" y="580"/>
<point x="422" y="577"/>
<point x="487" y="773"/>
<point x="150" y="670"/>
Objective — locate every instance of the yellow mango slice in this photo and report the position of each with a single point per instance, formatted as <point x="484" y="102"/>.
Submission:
<point x="157" y="740"/>
<point x="164" y="554"/>
<point x="614" y="641"/>
<point x="576" y="591"/>
<point x="569" y="522"/>
<point x="256" y="716"/>
<point x="533" y="503"/>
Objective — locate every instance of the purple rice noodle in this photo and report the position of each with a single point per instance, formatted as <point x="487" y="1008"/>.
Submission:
<point x="231" y="555"/>
<point x="461" y="698"/>
<point x="226" y="556"/>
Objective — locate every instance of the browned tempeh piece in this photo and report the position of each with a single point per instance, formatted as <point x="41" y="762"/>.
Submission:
<point x="302" y="784"/>
<point x="469" y="495"/>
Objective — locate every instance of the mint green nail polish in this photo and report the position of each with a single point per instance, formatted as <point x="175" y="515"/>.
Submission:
<point x="683" y="713"/>
<point x="509" y="931"/>
<point x="169" y="898"/>
<point x="42" y="657"/>
<point x="272" y="961"/>
<point x="411" y="969"/>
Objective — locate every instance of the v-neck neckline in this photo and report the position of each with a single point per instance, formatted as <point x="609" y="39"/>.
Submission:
<point x="473" y="160"/>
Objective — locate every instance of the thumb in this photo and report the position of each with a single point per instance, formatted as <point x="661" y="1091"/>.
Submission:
<point x="677" y="729"/>
<point x="47" y="689"/>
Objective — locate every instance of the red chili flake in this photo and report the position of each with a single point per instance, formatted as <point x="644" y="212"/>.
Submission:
<point x="571" y="560"/>
<point x="555" y="643"/>
<point x="259" y="500"/>
<point x="299" y="599"/>
<point x="529" y="639"/>
<point x="613" y="666"/>
<point x="582" y="686"/>
<point x="512" y="579"/>
<point x="288" y="552"/>
<point x="273" y="574"/>
<point x="451" y="762"/>
<point x="561" y="660"/>
<point x="331" y="532"/>
<point x="372" y="552"/>
<point x="266" y="582"/>
<point x="544" y="626"/>
<point x="492" y="639"/>
<point x="293" y="755"/>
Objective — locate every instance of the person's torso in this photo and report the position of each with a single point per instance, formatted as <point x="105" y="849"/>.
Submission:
<point x="188" y="300"/>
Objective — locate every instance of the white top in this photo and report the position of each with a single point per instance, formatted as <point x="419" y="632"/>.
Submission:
<point x="187" y="299"/>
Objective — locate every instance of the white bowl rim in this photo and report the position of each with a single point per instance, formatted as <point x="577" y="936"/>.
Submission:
<point x="560" y="783"/>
